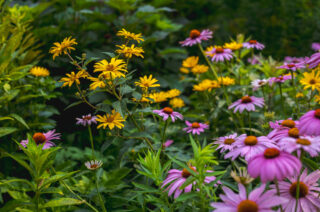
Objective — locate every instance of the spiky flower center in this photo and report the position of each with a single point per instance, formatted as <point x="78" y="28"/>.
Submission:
<point x="312" y="81"/>
<point x="288" y="123"/>
<point x="302" y="141"/>
<point x="195" y="125"/>
<point x="253" y="41"/>
<point x="317" y="113"/>
<point x="39" y="138"/>
<point x="291" y="65"/>
<point x="248" y="206"/>
<point x="303" y="189"/>
<point x="87" y="118"/>
<point x="250" y="140"/>
<point x="270" y="153"/>
<point x="94" y="166"/>
<point x="185" y="173"/>
<point x="194" y="33"/>
<point x="219" y="50"/>
<point x="168" y="110"/>
<point x="229" y="141"/>
<point x="294" y="133"/>
<point x="246" y="99"/>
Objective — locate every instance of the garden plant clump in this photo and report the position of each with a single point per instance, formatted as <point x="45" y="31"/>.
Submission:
<point x="230" y="130"/>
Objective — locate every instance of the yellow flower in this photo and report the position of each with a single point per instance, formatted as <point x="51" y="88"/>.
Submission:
<point x="173" y="93"/>
<point x="112" y="69"/>
<point x="129" y="51"/>
<point x="317" y="98"/>
<point x="299" y="95"/>
<point x="226" y="81"/>
<point x="209" y="49"/>
<point x="311" y="80"/>
<point x="158" y="97"/>
<point x="206" y="85"/>
<point x="147" y="82"/>
<point x="143" y="99"/>
<point x="233" y="45"/>
<point x="73" y="78"/>
<point x="176" y="102"/>
<point x="97" y="83"/>
<point x="199" y="69"/>
<point x="110" y="120"/>
<point x="190" y="62"/>
<point x="130" y="36"/>
<point x="64" y="47"/>
<point x="39" y="71"/>
<point x="184" y="70"/>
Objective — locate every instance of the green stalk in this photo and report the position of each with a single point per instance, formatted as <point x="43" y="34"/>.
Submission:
<point x="298" y="186"/>
<point x="249" y="119"/>
<point x="164" y="132"/>
<point x="282" y="105"/>
<point x="278" y="191"/>
<point x="100" y="198"/>
<point x="209" y="63"/>
<point x="295" y="92"/>
<point x="91" y="141"/>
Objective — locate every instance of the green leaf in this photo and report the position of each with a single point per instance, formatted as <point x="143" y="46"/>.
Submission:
<point x="19" y="119"/>
<point x="73" y="104"/>
<point x="7" y="130"/>
<point x="16" y="180"/>
<point x="21" y="162"/>
<point x="56" y="178"/>
<point x="310" y="163"/>
<point x="186" y="196"/>
<point x="6" y="118"/>
<point x="62" y="202"/>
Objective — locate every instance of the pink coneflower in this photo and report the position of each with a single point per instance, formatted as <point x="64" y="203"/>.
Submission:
<point x="314" y="60"/>
<point x="254" y="60"/>
<point x="253" y="202"/>
<point x="177" y="178"/>
<point x="249" y="147"/>
<point x="291" y="66"/>
<point x="256" y="84"/>
<point x="94" y="164"/>
<point x="308" y="192"/>
<point x="281" y="129"/>
<point x="220" y="54"/>
<point x="168" y="112"/>
<point x="309" y="123"/>
<point x="288" y="59"/>
<point x="195" y="127"/>
<point x="167" y="144"/>
<point x="253" y="44"/>
<point x="273" y="164"/>
<point x="247" y="103"/>
<point x="43" y="138"/>
<point x="227" y="142"/>
<point x="86" y="120"/>
<point x="196" y="37"/>
<point x="294" y="142"/>
<point x="315" y="46"/>
<point x="280" y="79"/>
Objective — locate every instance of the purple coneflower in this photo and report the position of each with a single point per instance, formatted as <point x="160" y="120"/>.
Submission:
<point x="168" y="112"/>
<point x="253" y="44"/>
<point x="258" y="83"/>
<point x="253" y="202"/>
<point x="196" y="37"/>
<point x="294" y="142"/>
<point x="94" y="164"/>
<point x="167" y="144"/>
<point x="43" y="138"/>
<point x="315" y="46"/>
<point x="177" y="178"/>
<point x="309" y="123"/>
<point x="227" y="142"/>
<point x="280" y="79"/>
<point x="288" y="59"/>
<point x="291" y="66"/>
<point x="281" y="129"/>
<point x="195" y="127"/>
<point x="247" y="103"/>
<point x="254" y="60"/>
<point x="273" y="164"/>
<point x="220" y="54"/>
<point x="308" y="192"/>
<point x="250" y="146"/>
<point x="86" y="120"/>
<point x="314" y="60"/>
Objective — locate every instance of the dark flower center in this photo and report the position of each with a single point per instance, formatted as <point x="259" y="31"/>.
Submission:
<point x="247" y="206"/>
<point x="291" y="65"/>
<point x="87" y="118"/>
<point x="253" y="41"/>
<point x="246" y="99"/>
<point x="280" y="78"/>
<point x="303" y="189"/>
<point x="185" y="173"/>
<point x="317" y="113"/>
<point x="270" y="153"/>
<point x="93" y="166"/>
<point x="294" y="133"/>
<point x="194" y="33"/>
<point x="39" y="138"/>
<point x="288" y="123"/>
<point x="168" y="110"/>
<point x="195" y="125"/>
<point x="251" y="140"/>
<point x="261" y="83"/>
<point x="302" y="141"/>
<point x="312" y="81"/>
<point x="219" y="50"/>
<point x="229" y="141"/>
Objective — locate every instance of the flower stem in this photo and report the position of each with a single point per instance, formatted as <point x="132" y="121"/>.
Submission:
<point x="209" y="63"/>
<point x="282" y="105"/>
<point x="100" y="198"/>
<point x="91" y="141"/>
<point x="164" y="132"/>
<point x="278" y="191"/>
<point x="249" y="119"/>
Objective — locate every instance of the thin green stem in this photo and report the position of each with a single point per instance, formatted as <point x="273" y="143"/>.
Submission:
<point x="278" y="192"/>
<point x="249" y="119"/>
<point x="100" y="198"/>
<point x="164" y="132"/>
<point x="91" y="141"/>
<point x="281" y="95"/>
<point x="209" y="63"/>
<point x="295" y="91"/>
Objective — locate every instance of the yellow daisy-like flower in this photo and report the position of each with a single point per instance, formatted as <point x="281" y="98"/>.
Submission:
<point x="226" y="81"/>
<point x="206" y="85"/>
<point x="39" y="71"/>
<point x="299" y="95"/>
<point x="209" y="49"/>
<point x="311" y="80"/>
<point x="64" y="47"/>
<point x="130" y="36"/>
<point x="147" y="82"/>
<point x="233" y="45"/>
<point x="173" y="93"/>
<point x="190" y="62"/>
<point x="158" y="97"/>
<point x="177" y="102"/>
<point x="143" y="99"/>
<point x="199" y="69"/>
<point x="184" y="70"/>
<point x="96" y="83"/>
<point x="110" y="120"/>
<point x="112" y="69"/>
<point x="73" y="78"/>
<point x="129" y="51"/>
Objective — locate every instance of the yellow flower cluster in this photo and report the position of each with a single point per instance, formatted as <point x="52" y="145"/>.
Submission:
<point x="159" y="97"/>
<point x="232" y="45"/>
<point x="112" y="69"/>
<point x="128" y="51"/>
<point x="64" y="47"/>
<point x="147" y="82"/>
<point x="129" y="35"/>
<point x="191" y="64"/>
<point x="73" y="78"/>
<point x="206" y="84"/>
<point x="177" y="102"/>
<point x="39" y="71"/>
<point x="110" y="120"/>
<point x="226" y="81"/>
